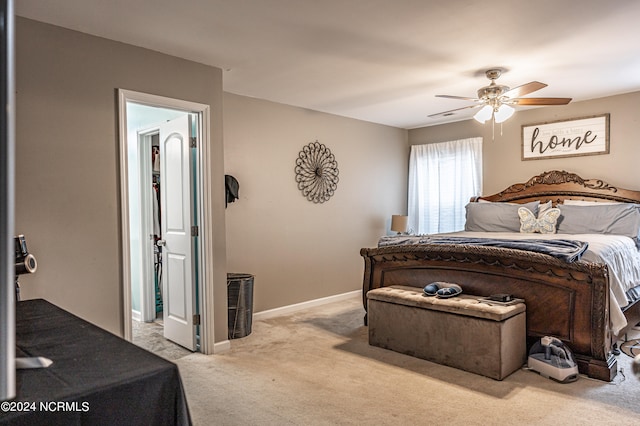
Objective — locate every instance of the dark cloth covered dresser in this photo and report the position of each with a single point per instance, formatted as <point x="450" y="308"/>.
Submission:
<point x="96" y="377"/>
<point x="459" y="332"/>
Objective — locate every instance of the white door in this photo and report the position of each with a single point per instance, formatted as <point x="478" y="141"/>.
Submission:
<point x="178" y="284"/>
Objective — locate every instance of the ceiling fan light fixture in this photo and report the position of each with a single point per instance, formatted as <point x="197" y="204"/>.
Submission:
<point x="492" y="99"/>
<point x="503" y="113"/>
<point x="484" y="114"/>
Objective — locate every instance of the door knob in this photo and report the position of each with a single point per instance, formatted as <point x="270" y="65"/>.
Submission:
<point x="161" y="243"/>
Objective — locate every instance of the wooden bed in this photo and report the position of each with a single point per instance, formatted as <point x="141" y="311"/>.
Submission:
<point x="566" y="300"/>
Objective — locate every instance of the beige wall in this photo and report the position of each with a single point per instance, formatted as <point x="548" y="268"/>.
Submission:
<point x="502" y="157"/>
<point x="67" y="183"/>
<point x="298" y="250"/>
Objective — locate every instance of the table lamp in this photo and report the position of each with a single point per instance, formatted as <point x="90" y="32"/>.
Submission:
<point x="399" y="223"/>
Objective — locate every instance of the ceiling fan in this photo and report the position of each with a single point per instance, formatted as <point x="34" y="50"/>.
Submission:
<point x="497" y="101"/>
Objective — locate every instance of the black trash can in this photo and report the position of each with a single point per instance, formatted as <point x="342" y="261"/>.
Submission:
<point x="240" y="302"/>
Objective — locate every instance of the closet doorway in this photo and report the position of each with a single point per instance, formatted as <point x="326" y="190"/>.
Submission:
<point x="162" y="242"/>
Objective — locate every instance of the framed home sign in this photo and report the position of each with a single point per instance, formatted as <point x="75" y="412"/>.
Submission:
<point x="568" y="138"/>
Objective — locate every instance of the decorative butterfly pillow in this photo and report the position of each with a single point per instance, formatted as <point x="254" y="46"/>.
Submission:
<point x="545" y="223"/>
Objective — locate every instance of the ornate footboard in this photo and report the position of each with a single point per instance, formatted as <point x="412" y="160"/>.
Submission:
<point x="566" y="300"/>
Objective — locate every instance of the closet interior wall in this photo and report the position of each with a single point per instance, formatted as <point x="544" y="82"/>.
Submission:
<point x="157" y="217"/>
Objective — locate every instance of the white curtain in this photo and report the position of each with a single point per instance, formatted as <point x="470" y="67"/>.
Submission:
<point x="442" y="179"/>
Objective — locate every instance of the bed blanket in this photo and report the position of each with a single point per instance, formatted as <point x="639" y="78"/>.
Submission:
<point x="566" y="250"/>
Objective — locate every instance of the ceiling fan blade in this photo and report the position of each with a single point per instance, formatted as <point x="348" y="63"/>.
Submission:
<point x="525" y="89"/>
<point x="451" y="112"/>
<point x="540" y="101"/>
<point x="457" y="97"/>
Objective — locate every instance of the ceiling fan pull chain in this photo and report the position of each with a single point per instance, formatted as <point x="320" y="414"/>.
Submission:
<point x="493" y="129"/>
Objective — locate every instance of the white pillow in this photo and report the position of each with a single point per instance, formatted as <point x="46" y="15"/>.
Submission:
<point x="589" y="203"/>
<point x="545" y="223"/>
<point x="544" y="207"/>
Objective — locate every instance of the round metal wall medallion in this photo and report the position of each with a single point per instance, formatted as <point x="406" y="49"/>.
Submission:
<point x="316" y="172"/>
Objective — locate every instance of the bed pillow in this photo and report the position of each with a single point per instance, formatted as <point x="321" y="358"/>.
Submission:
<point x="544" y="206"/>
<point x="496" y="217"/>
<point x="589" y="203"/>
<point x="545" y="223"/>
<point x="617" y="219"/>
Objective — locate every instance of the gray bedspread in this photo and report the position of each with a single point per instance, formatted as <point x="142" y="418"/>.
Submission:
<point x="566" y="250"/>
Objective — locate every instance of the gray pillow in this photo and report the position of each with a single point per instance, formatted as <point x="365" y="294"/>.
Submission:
<point x="496" y="217"/>
<point x="618" y="219"/>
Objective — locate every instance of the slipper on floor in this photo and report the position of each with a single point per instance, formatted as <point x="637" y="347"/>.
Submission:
<point x="433" y="288"/>
<point x="451" y="291"/>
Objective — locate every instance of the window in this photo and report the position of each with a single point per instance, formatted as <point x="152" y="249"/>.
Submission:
<point x="443" y="177"/>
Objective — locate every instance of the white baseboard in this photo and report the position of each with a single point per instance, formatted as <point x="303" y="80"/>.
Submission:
<point x="276" y="312"/>
<point x="136" y="315"/>
<point x="221" y="347"/>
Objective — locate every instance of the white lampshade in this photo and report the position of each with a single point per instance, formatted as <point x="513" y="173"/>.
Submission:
<point x="503" y="113"/>
<point x="399" y="223"/>
<point x="484" y="114"/>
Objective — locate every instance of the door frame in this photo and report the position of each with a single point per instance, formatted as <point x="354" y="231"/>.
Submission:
<point x="203" y="177"/>
<point x="147" y="292"/>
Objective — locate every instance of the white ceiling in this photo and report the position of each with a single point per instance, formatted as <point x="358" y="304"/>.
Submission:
<point x="378" y="60"/>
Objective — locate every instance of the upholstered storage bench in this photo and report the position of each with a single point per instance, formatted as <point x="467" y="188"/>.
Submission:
<point x="460" y="332"/>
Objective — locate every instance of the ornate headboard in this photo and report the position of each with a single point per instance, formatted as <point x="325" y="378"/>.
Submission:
<point x="558" y="186"/>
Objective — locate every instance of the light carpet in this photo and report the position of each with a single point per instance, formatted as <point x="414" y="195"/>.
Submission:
<point x="315" y="367"/>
